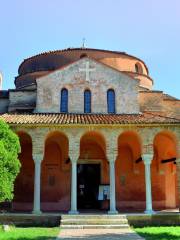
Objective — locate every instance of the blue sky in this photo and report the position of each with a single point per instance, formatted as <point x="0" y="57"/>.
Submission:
<point x="148" y="29"/>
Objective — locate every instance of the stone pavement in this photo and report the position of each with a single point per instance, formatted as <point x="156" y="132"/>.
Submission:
<point x="97" y="234"/>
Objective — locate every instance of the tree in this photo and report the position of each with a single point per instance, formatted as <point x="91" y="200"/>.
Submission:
<point x="9" y="163"/>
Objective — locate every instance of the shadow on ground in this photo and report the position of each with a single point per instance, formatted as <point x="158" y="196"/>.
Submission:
<point x="159" y="236"/>
<point x="107" y="236"/>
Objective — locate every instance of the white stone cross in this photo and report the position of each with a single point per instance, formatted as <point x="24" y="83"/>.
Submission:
<point x="87" y="69"/>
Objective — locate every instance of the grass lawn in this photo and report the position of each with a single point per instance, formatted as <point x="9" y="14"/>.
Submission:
<point x="29" y="233"/>
<point x="159" y="233"/>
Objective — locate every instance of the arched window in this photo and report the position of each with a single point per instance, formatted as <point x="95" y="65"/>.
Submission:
<point x="64" y="100"/>
<point x="87" y="101"/>
<point x="111" y="101"/>
<point x="83" y="55"/>
<point x="138" y="68"/>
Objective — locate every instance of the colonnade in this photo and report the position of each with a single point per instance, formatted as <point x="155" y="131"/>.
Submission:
<point x="147" y="158"/>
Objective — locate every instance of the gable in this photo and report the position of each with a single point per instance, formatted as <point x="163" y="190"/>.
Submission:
<point x="87" y="73"/>
<point x="87" y="70"/>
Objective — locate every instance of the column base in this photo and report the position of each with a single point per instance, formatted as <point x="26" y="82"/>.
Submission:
<point x="110" y="212"/>
<point x="149" y="212"/>
<point x="37" y="212"/>
<point x="73" y="212"/>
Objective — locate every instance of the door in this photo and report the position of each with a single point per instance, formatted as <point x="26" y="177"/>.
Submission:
<point x="88" y="180"/>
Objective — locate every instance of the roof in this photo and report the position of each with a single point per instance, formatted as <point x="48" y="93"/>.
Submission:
<point x="62" y="51"/>
<point x="85" y="119"/>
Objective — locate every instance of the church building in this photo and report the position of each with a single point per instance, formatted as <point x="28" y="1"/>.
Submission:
<point x="94" y="134"/>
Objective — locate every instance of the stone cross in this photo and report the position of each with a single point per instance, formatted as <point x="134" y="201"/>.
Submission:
<point x="87" y="70"/>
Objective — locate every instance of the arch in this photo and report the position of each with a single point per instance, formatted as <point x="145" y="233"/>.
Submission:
<point x="168" y="139"/>
<point x="24" y="183"/>
<point x="111" y="101"/>
<point x="55" y="176"/>
<point x="93" y="169"/>
<point x="130" y="185"/>
<point x="64" y="100"/>
<point x="96" y="137"/>
<point x="87" y="101"/>
<point x="133" y="141"/>
<point x="163" y="169"/>
<point x="138" y="68"/>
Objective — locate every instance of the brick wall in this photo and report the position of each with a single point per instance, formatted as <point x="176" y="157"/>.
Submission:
<point x="101" y="79"/>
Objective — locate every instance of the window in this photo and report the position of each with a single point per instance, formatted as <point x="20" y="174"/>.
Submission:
<point x="64" y="100"/>
<point x="138" y="68"/>
<point x="83" y="55"/>
<point x="111" y="101"/>
<point x="87" y="101"/>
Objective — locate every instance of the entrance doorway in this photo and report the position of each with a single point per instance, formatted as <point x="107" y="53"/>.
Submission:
<point x="88" y="181"/>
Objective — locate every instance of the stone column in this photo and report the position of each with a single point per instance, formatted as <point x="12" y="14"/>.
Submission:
<point x="112" y="188"/>
<point x="37" y="182"/>
<point x="178" y="178"/>
<point x="74" y="159"/>
<point x="147" y="158"/>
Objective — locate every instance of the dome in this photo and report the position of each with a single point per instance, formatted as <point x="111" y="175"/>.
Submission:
<point x="43" y="63"/>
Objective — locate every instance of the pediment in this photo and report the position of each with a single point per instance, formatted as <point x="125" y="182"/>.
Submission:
<point x="86" y="70"/>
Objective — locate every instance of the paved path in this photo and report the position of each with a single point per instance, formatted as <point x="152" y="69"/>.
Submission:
<point x="97" y="234"/>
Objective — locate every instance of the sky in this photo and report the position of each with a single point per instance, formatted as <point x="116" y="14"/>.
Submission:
<point x="147" y="29"/>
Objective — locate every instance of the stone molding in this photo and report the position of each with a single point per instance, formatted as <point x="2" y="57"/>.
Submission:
<point x="178" y="161"/>
<point x="147" y="158"/>
<point x="37" y="158"/>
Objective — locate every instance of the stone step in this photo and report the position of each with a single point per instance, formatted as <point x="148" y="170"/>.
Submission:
<point x="93" y="221"/>
<point x="93" y="216"/>
<point x="98" y="226"/>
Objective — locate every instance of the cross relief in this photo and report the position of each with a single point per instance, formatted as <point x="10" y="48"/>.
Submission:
<point x="87" y="70"/>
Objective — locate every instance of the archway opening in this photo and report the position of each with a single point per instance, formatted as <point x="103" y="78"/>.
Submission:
<point x="130" y="184"/>
<point x="24" y="183"/>
<point x="163" y="169"/>
<point x="56" y="173"/>
<point x="92" y="171"/>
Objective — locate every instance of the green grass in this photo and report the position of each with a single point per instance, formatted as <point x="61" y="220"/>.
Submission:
<point x="29" y="233"/>
<point x="159" y="233"/>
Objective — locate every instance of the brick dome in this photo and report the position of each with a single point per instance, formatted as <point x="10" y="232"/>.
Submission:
<point x="41" y="64"/>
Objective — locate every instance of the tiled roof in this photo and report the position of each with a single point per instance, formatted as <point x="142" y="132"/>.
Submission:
<point x="59" y="118"/>
<point x="72" y="50"/>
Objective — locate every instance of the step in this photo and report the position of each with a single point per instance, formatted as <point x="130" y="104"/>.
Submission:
<point x="112" y="226"/>
<point x="91" y="216"/>
<point x="93" y="221"/>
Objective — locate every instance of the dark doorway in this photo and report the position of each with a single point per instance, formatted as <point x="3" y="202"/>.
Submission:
<point x="88" y="181"/>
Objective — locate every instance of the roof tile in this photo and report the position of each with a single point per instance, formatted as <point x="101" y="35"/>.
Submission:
<point x="61" y="118"/>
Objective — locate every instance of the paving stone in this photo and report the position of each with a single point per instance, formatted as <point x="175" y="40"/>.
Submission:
<point x="97" y="234"/>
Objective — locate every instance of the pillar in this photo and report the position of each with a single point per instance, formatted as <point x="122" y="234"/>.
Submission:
<point x="37" y="183"/>
<point x="74" y="159"/>
<point x="178" y="179"/>
<point x="112" y="188"/>
<point x="147" y="158"/>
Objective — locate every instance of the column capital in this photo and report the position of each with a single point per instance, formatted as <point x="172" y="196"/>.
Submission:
<point x="178" y="161"/>
<point x="73" y="155"/>
<point x="37" y="158"/>
<point x="147" y="149"/>
<point x="111" y="155"/>
<point x="147" y="158"/>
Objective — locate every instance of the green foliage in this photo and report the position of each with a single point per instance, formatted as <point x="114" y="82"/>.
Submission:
<point x="34" y="233"/>
<point x="159" y="233"/>
<point x="9" y="163"/>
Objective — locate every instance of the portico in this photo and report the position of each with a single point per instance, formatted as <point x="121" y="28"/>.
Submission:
<point x="119" y="168"/>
